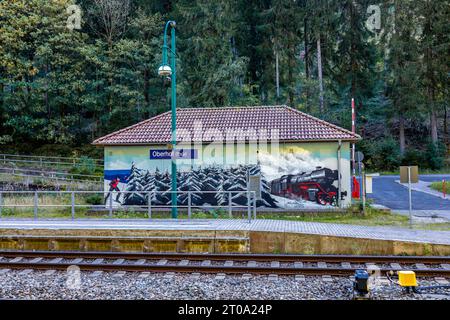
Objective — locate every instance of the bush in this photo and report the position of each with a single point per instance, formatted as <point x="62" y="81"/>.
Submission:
<point x="435" y="155"/>
<point x="386" y="154"/>
<point x="414" y="157"/>
<point x="86" y="166"/>
<point x="95" y="199"/>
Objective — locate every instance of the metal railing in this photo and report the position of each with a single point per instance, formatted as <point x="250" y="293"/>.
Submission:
<point x="53" y="175"/>
<point x="35" y="200"/>
<point x="45" y="160"/>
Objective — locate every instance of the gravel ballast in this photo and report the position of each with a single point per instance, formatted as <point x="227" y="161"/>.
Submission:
<point x="37" y="285"/>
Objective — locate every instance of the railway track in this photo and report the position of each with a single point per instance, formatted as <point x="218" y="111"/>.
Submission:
<point x="337" y="265"/>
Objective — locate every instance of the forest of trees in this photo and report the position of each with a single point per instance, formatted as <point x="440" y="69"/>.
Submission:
<point x="64" y="87"/>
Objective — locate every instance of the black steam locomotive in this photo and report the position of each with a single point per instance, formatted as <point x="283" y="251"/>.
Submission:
<point x="316" y="186"/>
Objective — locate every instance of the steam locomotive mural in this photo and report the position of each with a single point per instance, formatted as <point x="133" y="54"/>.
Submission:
<point x="317" y="186"/>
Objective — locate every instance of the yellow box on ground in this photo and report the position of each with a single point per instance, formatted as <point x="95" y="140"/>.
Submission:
<point x="407" y="278"/>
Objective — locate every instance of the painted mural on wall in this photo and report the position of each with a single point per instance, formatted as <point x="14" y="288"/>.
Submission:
<point x="221" y="186"/>
<point x="295" y="178"/>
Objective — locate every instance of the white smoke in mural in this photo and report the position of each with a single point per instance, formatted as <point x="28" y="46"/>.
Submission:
<point x="118" y="163"/>
<point x="300" y="160"/>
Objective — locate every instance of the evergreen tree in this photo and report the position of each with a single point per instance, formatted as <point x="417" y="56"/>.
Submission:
<point x="149" y="186"/>
<point x="209" y="67"/>
<point x="403" y="61"/>
<point x="162" y="185"/>
<point x="135" y="183"/>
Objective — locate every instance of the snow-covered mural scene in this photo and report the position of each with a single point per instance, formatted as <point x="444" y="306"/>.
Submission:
<point x="208" y="186"/>
<point x="296" y="177"/>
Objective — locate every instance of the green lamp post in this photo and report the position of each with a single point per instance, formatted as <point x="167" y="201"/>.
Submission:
<point x="170" y="71"/>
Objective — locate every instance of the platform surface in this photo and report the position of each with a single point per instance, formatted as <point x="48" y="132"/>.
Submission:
<point x="326" y="229"/>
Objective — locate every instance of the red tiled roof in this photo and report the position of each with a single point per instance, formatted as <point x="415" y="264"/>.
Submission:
<point x="292" y="125"/>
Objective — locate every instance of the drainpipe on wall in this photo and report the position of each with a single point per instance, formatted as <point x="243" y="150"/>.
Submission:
<point x="339" y="172"/>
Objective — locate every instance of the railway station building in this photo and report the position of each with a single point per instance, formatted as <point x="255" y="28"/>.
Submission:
<point x="299" y="160"/>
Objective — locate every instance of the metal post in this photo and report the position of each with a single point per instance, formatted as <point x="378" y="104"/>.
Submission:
<point x="110" y="204"/>
<point x="174" y="123"/>
<point x="254" y="206"/>
<point x="353" y="131"/>
<point x="410" y="202"/>
<point x="73" y="205"/>
<point x="230" y="205"/>
<point x="173" y="75"/>
<point x="339" y="156"/>
<point x="1" y="204"/>
<point x="360" y="186"/>
<point x="444" y="191"/>
<point x="35" y="205"/>
<point x="149" y="200"/>
<point x="363" y="186"/>
<point x="249" y="214"/>
<point x="189" y="205"/>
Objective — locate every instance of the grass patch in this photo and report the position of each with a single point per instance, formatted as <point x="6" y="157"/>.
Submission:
<point x="438" y="186"/>
<point x="47" y="182"/>
<point x="59" y="206"/>
<point x="445" y="170"/>
<point x="373" y="217"/>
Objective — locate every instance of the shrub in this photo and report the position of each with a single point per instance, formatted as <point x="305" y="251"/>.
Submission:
<point x="86" y="166"/>
<point x="386" y="154"/>
<point x="435" y="155"/>
<point x="414" y="157"/>
<point x="95" y="199"/>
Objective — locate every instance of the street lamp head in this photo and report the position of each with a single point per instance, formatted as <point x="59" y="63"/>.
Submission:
<point x="165" y="71"/>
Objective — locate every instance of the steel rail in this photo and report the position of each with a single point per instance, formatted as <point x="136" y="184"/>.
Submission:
<point x="229" y="256"/>
<point x="203" y="269"/>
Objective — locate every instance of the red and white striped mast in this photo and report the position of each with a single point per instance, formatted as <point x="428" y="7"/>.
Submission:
<point x="354" y="131"/>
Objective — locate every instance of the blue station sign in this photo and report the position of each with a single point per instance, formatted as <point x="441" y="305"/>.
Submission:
<point x="164" y="154"/>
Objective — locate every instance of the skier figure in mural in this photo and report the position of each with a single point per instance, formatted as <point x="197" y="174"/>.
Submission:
<point x="114" y="186"/>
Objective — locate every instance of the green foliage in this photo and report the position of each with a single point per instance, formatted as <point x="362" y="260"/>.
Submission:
<point x="95" y="199"/>
<point x="439" y="186"/>
<point x="385" y="154"/>
<point x="218" y="213"/>
<point x="64" y="88"/>
<point x="435" y="155"/>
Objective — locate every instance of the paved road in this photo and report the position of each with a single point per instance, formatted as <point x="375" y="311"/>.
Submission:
<point x="391" y="194"/>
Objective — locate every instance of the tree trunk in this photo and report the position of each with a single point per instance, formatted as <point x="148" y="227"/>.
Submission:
<point x="402" y="135"/>
<point x="277" y="75"/>
<point x="446" y="135"/>
<point x="320" y="75"/>
<point x="434" y="130"/>
<point x="47" y="106"/>
<point x="291" y="78"/>
<point x="146" y="88"/>
<point x="305" y="39"/>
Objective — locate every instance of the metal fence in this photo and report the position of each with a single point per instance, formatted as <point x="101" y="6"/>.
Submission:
<point x="15" y="204"/>
<point x="52" y="175"/>
<point x="45" y="160"/>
